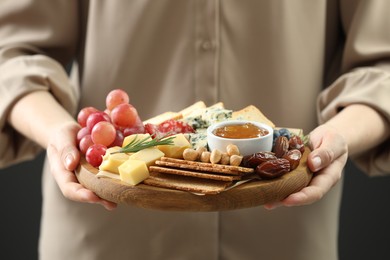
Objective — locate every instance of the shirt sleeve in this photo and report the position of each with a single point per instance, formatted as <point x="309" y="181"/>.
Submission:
<point x="37" y="39"/>
<point x="366" y="77"/>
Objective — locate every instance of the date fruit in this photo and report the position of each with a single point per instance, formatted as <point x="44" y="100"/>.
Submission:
<point x="294" y="157"/>
<point x="296" y="142"/>
<point x="252" y="160"/>
<point x="281" y="146"/>
<point x="273" y="168"/>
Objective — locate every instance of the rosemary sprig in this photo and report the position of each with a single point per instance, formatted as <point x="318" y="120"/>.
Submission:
<point x="139" y="144"/>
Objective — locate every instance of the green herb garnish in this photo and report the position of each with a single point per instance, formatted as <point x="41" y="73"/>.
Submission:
<point x="139" y="144"/>
<point x="305" y="139"/>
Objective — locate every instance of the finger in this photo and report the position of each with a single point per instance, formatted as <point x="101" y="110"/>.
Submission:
<point x="325" y="151"/>
<point x="69" y="185"/>
<point x="319" y="186"/>
<point x="70" y="157"/>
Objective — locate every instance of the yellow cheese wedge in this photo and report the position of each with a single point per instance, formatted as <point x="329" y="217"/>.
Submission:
<point x="180" y="143"/>
<point x="148" y="155"/>
<point x="110" y="150"/>
<point x="111" y="162"/>
<point x="133" y="171"/>
<point x="130" y="138"/>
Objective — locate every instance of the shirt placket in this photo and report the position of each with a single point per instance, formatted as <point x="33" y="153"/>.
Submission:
<point x="207" y="50"/>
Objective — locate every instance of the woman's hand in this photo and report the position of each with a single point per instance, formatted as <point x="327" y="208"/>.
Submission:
<point x="64" y="157"/>
<point x="354" y="130"/>
<point x="327" y="160"/>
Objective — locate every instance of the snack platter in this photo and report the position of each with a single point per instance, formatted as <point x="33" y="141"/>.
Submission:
<point x="191" y="169"/>
<point x="250" y="194"/>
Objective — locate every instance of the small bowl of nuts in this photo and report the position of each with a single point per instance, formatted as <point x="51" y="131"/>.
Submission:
<point x="249" y="136"/>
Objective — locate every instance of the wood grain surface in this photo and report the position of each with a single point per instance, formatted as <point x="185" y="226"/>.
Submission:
<point x="250" y="194"/>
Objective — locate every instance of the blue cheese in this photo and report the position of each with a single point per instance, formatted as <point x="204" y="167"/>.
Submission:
<point x="199" y="138"/>
<point x="206" y="117"/>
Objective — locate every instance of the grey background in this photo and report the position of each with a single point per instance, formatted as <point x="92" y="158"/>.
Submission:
<point x="364" y="220"/>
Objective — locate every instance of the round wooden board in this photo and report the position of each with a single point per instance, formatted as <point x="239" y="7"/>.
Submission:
<point x="250" y="194"/>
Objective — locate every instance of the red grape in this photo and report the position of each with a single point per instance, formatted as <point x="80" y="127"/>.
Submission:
<point x="124" y="115"/>
<point x="118" y="139"/>
<point x="84" y="114"/>
<point x="82" y="132"/>
<point x="137" y="128"/>
<point x="96" y="117"/>
<point x="85" y="143"/>
<point x="103" y="133"/>
<point x="116" y="97"/>
<point x="94" y="154"/>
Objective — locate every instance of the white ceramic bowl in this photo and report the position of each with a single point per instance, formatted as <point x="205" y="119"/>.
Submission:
<point x="246" y="145"/>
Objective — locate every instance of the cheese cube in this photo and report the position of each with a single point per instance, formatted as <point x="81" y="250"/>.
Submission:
<point x="133" y="171"/>
<point x="180" y="143"/>
<point x="111" y="162"/>
<point x="132" y="137"/>
<point x="148" y="155"/>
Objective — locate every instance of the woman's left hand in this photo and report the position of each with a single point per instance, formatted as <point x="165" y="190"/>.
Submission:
<point x="327" y="161"/>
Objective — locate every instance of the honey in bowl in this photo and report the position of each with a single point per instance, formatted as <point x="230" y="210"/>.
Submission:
<point x="240" y="131"/>
<point x="261" y="140"/>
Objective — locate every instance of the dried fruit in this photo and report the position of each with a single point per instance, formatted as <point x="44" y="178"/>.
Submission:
<point x="273" y="168"/>
<point x="252" y="160"/>
<point x="281" y="146"/>
<point x="294" y="157"/>
<point x="296" y="142"/>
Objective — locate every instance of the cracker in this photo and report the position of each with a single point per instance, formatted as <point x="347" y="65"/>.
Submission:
<point x="220" y="168"/>
<point x="185" y="183"/>
<point x="202" y="175"/>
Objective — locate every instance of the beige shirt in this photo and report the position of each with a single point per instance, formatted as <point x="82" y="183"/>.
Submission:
<point x="167" y="54"/>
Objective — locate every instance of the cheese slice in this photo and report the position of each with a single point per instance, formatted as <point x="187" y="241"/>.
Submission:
<point x="133" y="171"/>
<point x="137" y="137"/>
<point x="148" y="155"/>
<point x="113" y="161"/>
<point x="180" y="143"/>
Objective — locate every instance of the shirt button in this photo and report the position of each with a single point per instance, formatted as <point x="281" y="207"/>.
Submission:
<point x="207" y="45"/>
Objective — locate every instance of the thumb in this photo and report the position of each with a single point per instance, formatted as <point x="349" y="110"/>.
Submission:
<point x="70" y="157"/>
<point x="327" y="146"/>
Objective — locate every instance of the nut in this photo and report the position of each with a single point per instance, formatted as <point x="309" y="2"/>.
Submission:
<point x="235" y="160"/>
<point x="205" y="156"/>
<point x="190" y="154"/>
<point x="215" y="156"/>
<point x="201" y="149"/>
<point x="232" y="149"/>
<point x="225" y="159"/>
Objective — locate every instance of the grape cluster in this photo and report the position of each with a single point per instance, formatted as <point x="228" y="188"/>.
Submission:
<point x="103" y="129"/>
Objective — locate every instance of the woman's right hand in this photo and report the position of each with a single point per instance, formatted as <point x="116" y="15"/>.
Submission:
<point x="63" y="158"/>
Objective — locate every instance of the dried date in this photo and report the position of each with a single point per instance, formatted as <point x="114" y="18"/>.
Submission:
<point x="273" y="168"/>
<point x="296" y="142"/>
<point x="294" y="157"/>
<point x="252" y="160"/>
<point x="281" y="146"/>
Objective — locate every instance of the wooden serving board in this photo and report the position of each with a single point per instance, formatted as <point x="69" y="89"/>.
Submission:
<point x="250" y="194"/>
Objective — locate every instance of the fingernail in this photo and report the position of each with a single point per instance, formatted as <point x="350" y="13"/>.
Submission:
<point x="272" y="206"/>
<point x="316" y="161"/>
<point x="68" y="160"/>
